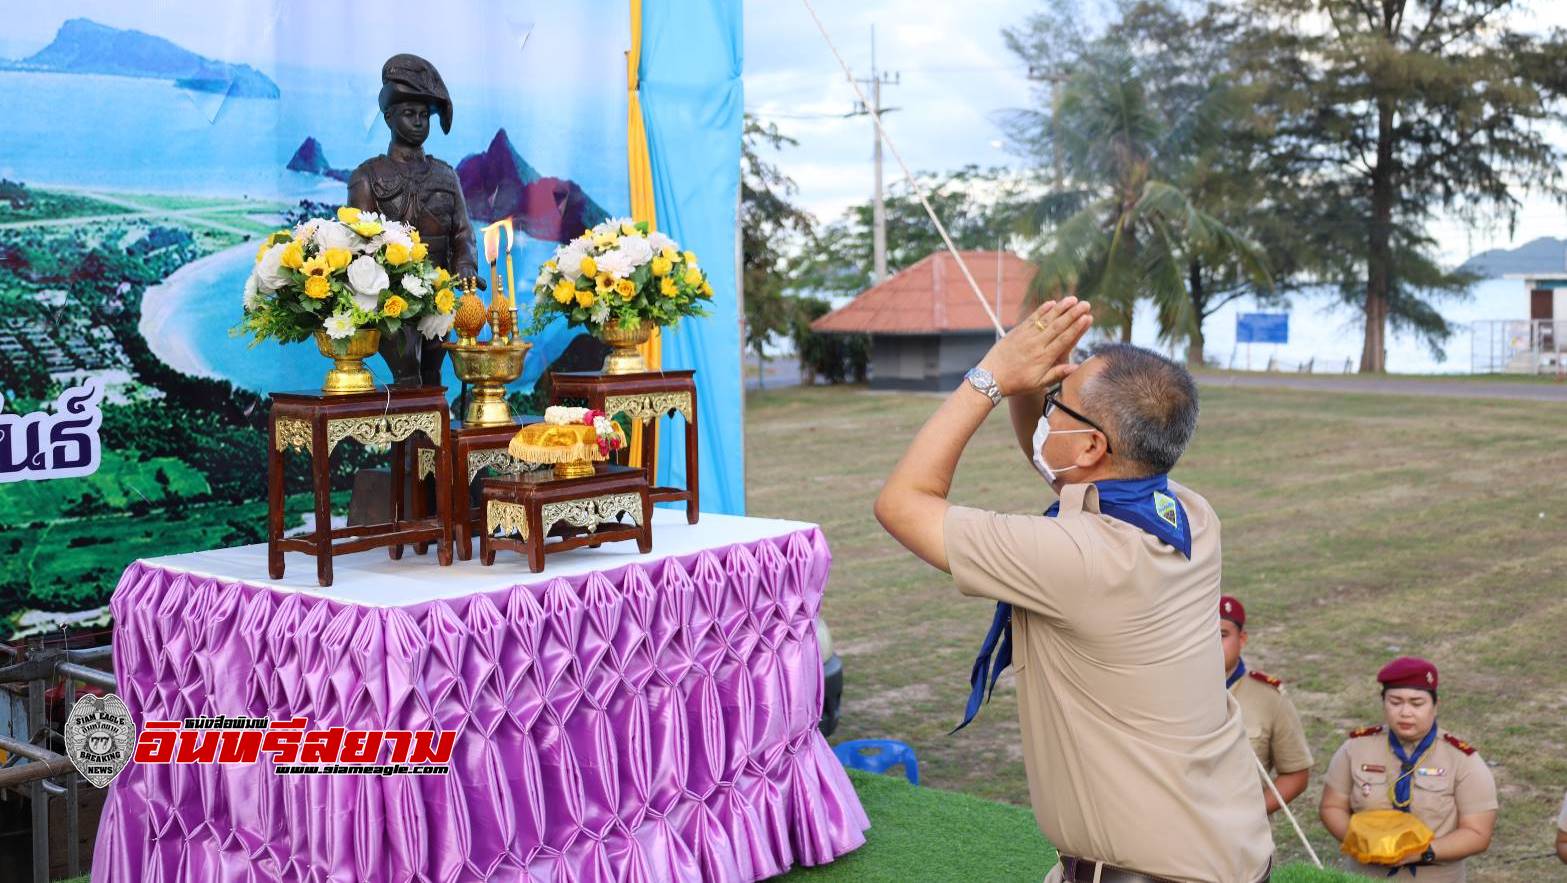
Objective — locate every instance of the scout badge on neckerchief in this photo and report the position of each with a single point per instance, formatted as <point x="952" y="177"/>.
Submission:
<point x="1141" y="502"/>
<point x="1240" y="672"/>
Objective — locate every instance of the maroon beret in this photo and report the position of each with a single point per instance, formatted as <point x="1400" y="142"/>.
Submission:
<point x="1233" y="610"/>
<point x="1408" y="671"/>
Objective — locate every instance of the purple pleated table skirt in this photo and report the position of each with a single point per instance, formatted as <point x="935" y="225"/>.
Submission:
<point x="618" y="717"/>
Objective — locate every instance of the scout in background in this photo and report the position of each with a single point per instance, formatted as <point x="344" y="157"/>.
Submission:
<point x="1561" y="832"/>
<point x="1410" y="765"/>
<point x="1272" y="724"/>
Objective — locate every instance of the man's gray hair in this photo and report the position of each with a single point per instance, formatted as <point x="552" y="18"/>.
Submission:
<point x="1146" y="401"/>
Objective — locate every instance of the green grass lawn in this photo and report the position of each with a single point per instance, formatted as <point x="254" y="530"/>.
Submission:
<point x="1356" y="528"/>
<point x="928" y="835"/>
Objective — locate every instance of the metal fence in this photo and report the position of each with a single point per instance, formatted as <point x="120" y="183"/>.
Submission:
<point x="32" y="767"/>
<point x="1518" y="346"/>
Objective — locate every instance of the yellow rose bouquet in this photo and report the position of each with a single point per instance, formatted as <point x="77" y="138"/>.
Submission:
<point x="620" y="274"/>
<point x="339" y="275"/>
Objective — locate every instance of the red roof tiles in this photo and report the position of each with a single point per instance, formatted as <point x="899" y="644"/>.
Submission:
<point x="932" y="297"/>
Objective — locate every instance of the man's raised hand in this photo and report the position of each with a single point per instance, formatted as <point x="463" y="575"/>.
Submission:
<point x="1034" y="355"/>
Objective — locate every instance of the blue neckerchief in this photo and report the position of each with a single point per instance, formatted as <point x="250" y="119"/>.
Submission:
<point x="1406" y="766"/>
<point x="1142" y="502"/>
<point x="1240" y="672"/>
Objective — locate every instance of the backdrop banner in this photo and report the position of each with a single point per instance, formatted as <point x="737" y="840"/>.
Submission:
<point x="693" y="105"/>
<point x="148" y="148"/>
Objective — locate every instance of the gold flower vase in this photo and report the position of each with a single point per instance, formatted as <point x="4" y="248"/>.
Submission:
<point x="348" y="355"/>
<point x="625" y="354"/>
<point x="487" y="367"/>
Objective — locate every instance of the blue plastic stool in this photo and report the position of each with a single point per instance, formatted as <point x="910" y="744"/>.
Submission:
<point x="883" y="755"/>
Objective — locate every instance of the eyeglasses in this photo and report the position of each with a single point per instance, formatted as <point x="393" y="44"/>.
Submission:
<point x="1053" y="401"/>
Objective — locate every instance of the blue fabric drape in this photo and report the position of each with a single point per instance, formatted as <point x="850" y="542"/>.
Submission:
<point x="693" y="107"/>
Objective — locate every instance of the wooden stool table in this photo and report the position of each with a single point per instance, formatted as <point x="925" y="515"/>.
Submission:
<point x="315" y="423"/>
<point x="533" y="504"/>
<point x="470" y="450"/>
<point x="643" y="398"/>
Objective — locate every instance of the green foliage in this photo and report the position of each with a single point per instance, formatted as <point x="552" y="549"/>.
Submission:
<point x="1145" y="136"/>
<point x="772" y="230"/>
<point x="125" y="476"/>
<point x="837" y="358"/>
<point x="981" y="209"/>
<point x="18" y="202"/>
<point x="1383" y="114"/>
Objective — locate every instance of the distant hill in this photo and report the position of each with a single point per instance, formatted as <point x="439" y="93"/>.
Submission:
<point x="83" y="46"/>
<point x="1543" y="255"/>
<point x="311" y="159"/>
<point x="499" y="183"/>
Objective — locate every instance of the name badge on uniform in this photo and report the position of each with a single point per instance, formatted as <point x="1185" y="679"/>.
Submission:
<point x="1372" y="768"/>
<point x="1431" y="771"/>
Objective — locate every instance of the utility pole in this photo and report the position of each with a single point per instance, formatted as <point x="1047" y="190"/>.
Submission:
<point x="876" y="80"/>
<point x="1055" y="78"/>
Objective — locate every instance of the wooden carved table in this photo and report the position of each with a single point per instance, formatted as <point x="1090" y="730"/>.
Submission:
<point x="469" y="450"/>
<point x="315" y="423"/>
<point x="643" y="398"/>
<point x="533" y="504"/>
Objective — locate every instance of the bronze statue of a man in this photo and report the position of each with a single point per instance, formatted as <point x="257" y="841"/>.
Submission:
<point x="406" y="184"/>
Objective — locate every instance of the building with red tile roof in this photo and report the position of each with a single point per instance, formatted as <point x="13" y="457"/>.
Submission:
<point x="926" y="326"/>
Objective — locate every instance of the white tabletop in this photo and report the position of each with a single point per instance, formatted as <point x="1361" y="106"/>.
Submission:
<point x="373" y="579"/>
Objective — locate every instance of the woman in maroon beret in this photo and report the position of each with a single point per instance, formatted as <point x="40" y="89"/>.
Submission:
<point x="1412" y="765"/>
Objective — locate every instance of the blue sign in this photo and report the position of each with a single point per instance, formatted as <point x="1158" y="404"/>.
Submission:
<point x="1262" y="327"/>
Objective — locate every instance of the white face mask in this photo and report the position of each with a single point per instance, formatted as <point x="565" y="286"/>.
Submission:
<point x="1042" y="432"/>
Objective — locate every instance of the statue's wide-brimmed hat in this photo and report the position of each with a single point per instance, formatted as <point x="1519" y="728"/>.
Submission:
<point x="407" y="77"/>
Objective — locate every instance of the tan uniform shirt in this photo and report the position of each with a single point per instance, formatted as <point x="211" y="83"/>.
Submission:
<point x="1272" y="724"/>
<point x="1135" y="753"/>
<point x="1448" y="783"/>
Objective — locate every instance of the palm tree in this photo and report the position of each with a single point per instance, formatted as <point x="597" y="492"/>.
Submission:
<point x="1124" y="231"/>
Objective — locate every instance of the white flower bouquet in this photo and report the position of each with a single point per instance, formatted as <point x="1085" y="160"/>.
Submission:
<point x="620" y="274"/>
<point x="341" y="275"/>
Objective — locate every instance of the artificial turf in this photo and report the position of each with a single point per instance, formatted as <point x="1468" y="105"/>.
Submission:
<point x="922" y="834"/>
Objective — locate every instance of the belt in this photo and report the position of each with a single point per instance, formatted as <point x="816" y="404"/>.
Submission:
<point x="1081" y="870"/>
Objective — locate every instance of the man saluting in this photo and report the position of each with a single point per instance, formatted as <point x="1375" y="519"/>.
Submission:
<point x="1137" y="761"/>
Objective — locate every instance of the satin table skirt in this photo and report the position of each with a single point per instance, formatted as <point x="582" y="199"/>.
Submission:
<point x="619" y="717"/>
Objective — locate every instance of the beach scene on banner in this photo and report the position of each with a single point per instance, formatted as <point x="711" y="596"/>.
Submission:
<point x="149" y="149"/>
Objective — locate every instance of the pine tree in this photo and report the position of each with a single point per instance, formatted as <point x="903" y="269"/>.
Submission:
<point x="1384" y="112"/>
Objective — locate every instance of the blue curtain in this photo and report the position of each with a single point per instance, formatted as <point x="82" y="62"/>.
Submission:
<point x="693" y="106"/>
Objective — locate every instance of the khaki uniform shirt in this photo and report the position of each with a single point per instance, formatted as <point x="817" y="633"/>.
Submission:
<point x="1135" y="753"/>
<point x="1448" y="783"/>
<point x="1272" y="725"/>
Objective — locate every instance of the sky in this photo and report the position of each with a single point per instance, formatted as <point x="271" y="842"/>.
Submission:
<point x="956" y="78"/>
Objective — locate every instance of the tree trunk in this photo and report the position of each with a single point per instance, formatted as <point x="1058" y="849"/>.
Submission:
<point x="1126" y="328"/>
<point x="1194" y="341"/>
<point x="1379" y="253"/>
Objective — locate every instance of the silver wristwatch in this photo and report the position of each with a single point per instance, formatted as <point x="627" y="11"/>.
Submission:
<point x="985" y="382"/>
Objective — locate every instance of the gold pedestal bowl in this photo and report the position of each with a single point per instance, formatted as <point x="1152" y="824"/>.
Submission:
<point x="487" y="368"/>
<point x="348" y="355"/>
